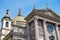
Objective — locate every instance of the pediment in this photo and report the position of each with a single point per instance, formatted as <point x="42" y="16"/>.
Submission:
<point x="51" y="13"/>
<point x="47" y="12"/>
<point x="44" y="13"/>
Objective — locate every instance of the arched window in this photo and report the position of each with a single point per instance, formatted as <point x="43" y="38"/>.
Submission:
<point x="7" y="24"/>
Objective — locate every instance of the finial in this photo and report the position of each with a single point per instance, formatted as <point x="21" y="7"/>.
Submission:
<point x="7" y="11"/>
<point x="7" y="15"/>
<point x="46" y="5"/>
<point x="19" y="12"/>
<point x="34" y="6"/>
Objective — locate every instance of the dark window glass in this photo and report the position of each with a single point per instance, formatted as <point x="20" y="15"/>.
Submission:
<point x="18" y="39"/>
<point x="59" y="27"/>
<point x="7" y="24"/>
<point x="51" y="37"/>
<point x="40" y="22"/>
<point x="31" y="23"/>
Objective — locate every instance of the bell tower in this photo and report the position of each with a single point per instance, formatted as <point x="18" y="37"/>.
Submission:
<point x="6" y="25"/>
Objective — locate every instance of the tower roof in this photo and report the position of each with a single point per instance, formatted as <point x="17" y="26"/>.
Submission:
<point x="6" y="15"/>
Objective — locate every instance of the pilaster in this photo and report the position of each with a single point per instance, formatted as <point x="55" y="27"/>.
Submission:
<point x="28" y="37"/>
<point x="57" y="32"/>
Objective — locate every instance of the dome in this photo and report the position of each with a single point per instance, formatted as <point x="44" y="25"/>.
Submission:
<point x="19" y="18"/>
<point x="19" y="21"/>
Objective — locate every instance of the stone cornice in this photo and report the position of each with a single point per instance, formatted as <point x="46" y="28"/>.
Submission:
<point x="6" y="29"/>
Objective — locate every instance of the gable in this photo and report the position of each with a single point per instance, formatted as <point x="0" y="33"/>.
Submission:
<point x="52" y="14"/>
<point x="44" y="13"/>
<point x="49" y="14"/>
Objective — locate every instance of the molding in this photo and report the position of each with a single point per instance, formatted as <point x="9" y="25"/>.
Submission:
<point x="6" y="29"/>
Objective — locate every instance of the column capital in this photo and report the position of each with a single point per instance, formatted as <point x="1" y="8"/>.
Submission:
<point x="44" y="21"/>
<point x="57" y="24"/>
<point x="35" y="17"/>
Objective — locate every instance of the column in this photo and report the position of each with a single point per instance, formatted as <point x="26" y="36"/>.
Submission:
<point x="57" y="32"/>
<point x="36" y="29"/>
<point x="28" y="36"/>
<point x="46" y="37"/>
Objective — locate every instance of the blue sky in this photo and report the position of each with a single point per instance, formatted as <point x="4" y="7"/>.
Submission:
<point x="26" y="6"/>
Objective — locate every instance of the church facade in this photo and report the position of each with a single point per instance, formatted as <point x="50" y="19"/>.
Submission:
<point x="43" y="24"/>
